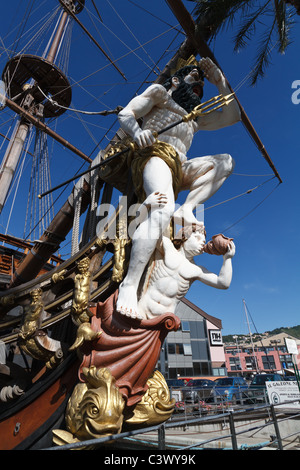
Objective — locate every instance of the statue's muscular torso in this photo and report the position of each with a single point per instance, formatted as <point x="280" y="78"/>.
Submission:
<point x="168" y="282"/>
<point x="165" y="112"/>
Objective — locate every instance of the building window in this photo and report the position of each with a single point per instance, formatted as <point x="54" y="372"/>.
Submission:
<point x="250" y="362"/>
<point x="187" y="349"/>
<point x="268" y="362"/>
<point x="185" y="326"/>
<point x="202" y="368"/>
<point x="175" y="348"/>
<point x="235" y="363"/>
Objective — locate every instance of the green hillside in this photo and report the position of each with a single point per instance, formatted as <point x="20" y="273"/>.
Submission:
<point x="293" y="331"/>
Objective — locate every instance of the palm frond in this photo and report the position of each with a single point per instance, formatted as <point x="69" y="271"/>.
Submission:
<point x="248" y="27"/>
<point x="262" y="60"/>
<point x="284" y="22"/>
<point x="211" y="16"/>
<point x="214" y="15"/>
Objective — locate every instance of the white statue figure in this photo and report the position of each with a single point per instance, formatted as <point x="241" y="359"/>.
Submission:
<point x="160" y="106"/>
<point x="174" y="270"/>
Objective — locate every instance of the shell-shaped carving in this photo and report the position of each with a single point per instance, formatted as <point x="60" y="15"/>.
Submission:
<point x="218" y="245"/>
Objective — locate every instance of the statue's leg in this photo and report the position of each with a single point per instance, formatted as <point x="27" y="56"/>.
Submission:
<point x="157" y="177"/>
<point x="203" y="176"/>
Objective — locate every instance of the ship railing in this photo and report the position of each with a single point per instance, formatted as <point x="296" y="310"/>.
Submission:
<point x="276" y="417"/>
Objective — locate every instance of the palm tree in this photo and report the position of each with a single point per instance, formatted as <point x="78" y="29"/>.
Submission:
<point x="274" y="18"/>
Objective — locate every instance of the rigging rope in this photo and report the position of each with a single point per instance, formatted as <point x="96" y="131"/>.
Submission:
<point x="254" y="208"/>
<point x="133" y="35"/>
<point x="249" y="191"/>
<point x="118" y="59"/>
<point x="106" y="112"/>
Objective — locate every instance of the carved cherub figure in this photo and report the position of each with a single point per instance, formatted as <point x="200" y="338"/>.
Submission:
<point x="33" y="314"/>
<point x="80" y="304"/>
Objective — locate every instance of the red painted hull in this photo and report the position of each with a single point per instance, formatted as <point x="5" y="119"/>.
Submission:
<point x="27" y="425"/>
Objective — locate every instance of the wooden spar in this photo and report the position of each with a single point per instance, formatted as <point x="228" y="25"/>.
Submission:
<point x="92" y="38"/>
<point x="40" y="125"/>
<point x="55" y="44"/>
<point x="187" y="23"/>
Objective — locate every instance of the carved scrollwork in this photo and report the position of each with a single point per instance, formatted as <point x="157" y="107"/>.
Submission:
<point x="97" y="409"/>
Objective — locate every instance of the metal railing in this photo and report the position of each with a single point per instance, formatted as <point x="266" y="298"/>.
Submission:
<point x="277" y="440"/>
<point x="206" y="400"/>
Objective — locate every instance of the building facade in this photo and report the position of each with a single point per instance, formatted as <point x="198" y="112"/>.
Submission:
<point x="196" y="349"/>
<point x="269" y="355"/>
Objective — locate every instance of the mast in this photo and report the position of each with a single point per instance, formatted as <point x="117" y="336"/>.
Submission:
<point x="253" y="349"/>
<point x="28" y="80"/>
<point x="11" y="160"/>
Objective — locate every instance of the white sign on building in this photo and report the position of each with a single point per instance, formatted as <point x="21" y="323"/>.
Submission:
<point x="215" y="337"/>
<point x="291" y="346"/>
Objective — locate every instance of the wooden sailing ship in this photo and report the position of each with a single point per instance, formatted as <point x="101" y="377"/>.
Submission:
<point x="41" y="292"/>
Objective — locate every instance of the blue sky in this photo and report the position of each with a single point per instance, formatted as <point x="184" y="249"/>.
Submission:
<point x="265" y="226"/>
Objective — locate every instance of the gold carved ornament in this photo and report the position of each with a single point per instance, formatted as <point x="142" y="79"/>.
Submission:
<point x="82" y="285"/>
<point x="32" y="339"/>
<point x="94" y="410"/>
<point x="119" y="242"/>
<point x="156" y="405"/>
<point x="97" y="409"/>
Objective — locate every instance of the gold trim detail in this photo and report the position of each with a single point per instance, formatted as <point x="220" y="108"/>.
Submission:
<point x="184" y="62"/>
<point x="84" y="333"/>
<point x="119" y="243"/>
<point x="59" y="276"/>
